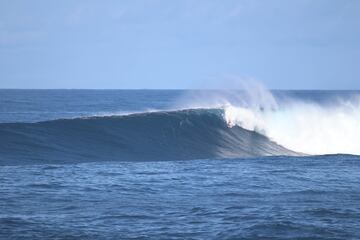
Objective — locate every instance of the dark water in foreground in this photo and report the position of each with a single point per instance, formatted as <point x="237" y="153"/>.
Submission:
<point x="262" y="198"/>
<point x="56" y="180"/>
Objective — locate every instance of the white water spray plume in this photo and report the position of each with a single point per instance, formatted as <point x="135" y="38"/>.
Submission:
<point x="301" y="125"/>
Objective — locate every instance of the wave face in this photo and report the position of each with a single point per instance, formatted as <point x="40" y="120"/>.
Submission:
<point x="173" y="135"/>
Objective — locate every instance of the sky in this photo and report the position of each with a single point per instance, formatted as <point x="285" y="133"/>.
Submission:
<point x="162" y="44"/>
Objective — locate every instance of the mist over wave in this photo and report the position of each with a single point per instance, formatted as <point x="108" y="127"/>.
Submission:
<point x="312" y="125"/>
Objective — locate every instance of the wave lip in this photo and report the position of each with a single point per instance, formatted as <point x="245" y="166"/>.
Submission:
<point x="167" y="135"/>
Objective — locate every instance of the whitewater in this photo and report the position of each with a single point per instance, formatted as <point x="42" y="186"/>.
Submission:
<point x="305" y="127"/>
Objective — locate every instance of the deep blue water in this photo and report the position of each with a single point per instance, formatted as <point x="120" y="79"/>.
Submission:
<point x="167" y="175"/>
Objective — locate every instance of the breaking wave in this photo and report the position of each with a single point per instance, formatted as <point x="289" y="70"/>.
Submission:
<point x="311" y="122"/>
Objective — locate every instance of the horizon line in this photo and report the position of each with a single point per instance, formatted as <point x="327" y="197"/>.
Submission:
<point x="176" y="89"/>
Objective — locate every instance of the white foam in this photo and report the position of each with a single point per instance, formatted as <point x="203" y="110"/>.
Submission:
<point x="304" y="127"/>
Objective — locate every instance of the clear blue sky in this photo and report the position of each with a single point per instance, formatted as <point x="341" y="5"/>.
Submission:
<point x="298" y="44"/>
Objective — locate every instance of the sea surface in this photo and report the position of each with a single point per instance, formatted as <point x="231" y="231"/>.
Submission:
<point x="179" y="164"/>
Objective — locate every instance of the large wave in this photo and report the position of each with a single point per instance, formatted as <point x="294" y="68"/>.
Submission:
<point x="167" y="135"/>
<point x="211" y="124"/>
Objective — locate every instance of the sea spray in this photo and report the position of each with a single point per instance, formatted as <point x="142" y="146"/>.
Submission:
<point x="318" y="125"/>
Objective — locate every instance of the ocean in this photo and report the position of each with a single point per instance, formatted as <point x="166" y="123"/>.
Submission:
<point x="179" y="164"/>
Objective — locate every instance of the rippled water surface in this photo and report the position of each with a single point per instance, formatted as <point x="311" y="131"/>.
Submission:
<point x="90" y="197"/>
<point x="257" y="198"/>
